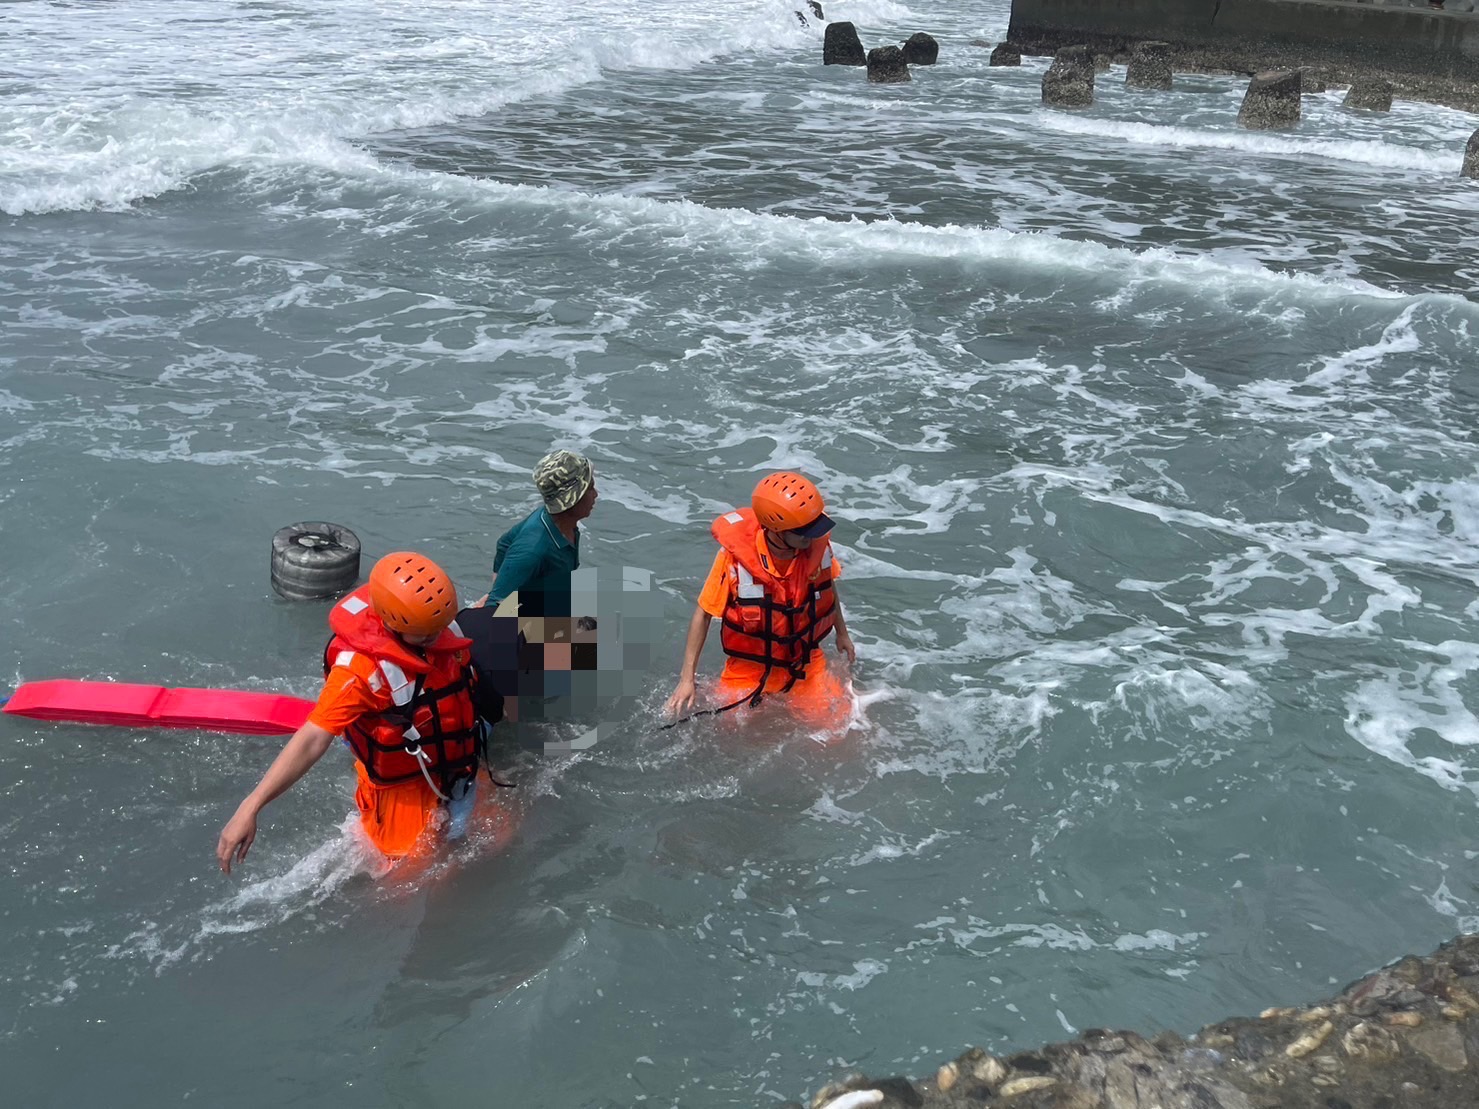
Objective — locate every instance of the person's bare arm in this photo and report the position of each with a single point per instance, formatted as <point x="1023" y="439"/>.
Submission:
<point x="297" y="757"/>
<point x="687" y="689"/>
<point x="844" y="639"/>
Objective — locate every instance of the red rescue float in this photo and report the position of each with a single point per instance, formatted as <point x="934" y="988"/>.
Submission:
<point x="155" y="706"/>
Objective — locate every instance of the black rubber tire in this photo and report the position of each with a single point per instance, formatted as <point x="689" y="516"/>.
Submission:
<point x="314" y="560"/>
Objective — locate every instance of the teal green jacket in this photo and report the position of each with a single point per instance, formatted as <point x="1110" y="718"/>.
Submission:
<point x="533" y="555"/>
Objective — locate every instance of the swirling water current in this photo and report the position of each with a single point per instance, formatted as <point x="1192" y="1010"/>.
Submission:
<point x="1151" y="443"/>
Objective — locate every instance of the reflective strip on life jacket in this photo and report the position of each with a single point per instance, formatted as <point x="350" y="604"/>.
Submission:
<point x="748" y="588"/>
<point x="402" y="688"/>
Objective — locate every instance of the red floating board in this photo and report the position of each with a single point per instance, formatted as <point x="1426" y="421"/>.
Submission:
<point x="154" y="706"/>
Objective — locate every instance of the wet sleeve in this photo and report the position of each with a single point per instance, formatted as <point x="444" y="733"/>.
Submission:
<point x="715" y="593"/>
<point x="344" y="699"/>
<point x="522" y="565"/>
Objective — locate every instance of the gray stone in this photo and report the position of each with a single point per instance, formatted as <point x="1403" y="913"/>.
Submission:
<point x="1442" y="1043"/>
<point x="1006" y="54"/>
<point x="921" y="49"/>
<point x="1372" y="94"/>
<point x="841" y="45"/>
<point x="1069" y="81"/>
<point x="1102" y="63"/>
<point x="1150" y="66"/>
<point x="1272" y="100"/>
<point x="1471" y="158"/>
<point x="886" y="66"/>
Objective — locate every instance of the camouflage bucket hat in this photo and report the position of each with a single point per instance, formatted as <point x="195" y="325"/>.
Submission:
<point x="562" y="477"/>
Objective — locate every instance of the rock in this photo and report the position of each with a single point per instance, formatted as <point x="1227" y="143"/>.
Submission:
<point x="886" y="66"/>
<point x="1312" y="80"/>
<point x="857" y="1099"/>
<point x="853" y="1080"/>
<point x="1310" y="1041"/>
<point x="1272" y="100"/>
<point x="1372" y="94"/>
<point x="946" y="1077"/>
<point x="986" y="1067"/>
<point x="1321" y="1056"/>
<point x="1026" y="1085"/>
<point x="1069" y="81"/>
<point x="899" y="1092"/>
<point x="921" y="49"/>
<point x="1006" y="54"/>
<point x="1150" y="66"/>
<point x="1101" y="63"/>
<point x="1379" y="992"/>
<point x="816" y="8"/>
<point x="1471" y="158"/>
<point x="1443" y="1044"/>
<point x="841" y="45"/>
<point x="1318" y="1013"/>
<point x="1371" y="1042"/>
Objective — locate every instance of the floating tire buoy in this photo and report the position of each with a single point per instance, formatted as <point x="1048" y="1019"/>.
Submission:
<point x="313" y="560"/>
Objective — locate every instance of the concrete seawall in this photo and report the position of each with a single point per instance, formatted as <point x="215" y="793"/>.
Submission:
<point x="1433" y="48"/>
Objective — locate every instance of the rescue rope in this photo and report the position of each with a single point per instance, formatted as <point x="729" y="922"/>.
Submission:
<point x="752" y="698"/>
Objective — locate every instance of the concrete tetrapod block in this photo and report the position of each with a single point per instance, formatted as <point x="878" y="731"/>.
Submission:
<point x="1150" y="66"/>
<point x="1471" y="158"/>
<point x="921" y="49"/>
<point x="1374" y="94"/>
<point x="1069" y="81"/>
<point x="841" y="45"/>
<point x="1006" y="54"/>
<point x="1272" y="100"/>
<point x="886" y="66"/>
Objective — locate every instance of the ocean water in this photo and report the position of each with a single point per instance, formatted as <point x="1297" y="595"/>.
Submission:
<point x="1151" y="443"/>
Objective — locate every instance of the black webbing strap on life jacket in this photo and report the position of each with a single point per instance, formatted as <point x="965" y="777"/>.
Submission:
<point x="778" y="646"/>
<point x="448" y="770"/>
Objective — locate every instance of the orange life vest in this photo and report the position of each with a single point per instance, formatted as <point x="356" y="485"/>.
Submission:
<point x="431" y="729"/>
<point x="774" y="621"/>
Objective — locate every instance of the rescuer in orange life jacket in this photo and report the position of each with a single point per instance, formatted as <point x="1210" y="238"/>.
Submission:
<point x="773" y="586"/>
<point x="399" y="688"/>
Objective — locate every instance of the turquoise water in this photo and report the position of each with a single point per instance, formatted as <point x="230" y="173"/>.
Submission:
<point x="1151" y="447"/>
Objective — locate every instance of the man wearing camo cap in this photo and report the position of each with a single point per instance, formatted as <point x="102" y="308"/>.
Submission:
<point x="537" y="554"/>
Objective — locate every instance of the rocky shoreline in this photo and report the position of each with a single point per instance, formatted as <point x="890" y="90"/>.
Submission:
<point x="1406" y="1037"/>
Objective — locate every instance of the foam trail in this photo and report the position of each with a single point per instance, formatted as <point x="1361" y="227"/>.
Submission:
<point x="1383" y="155"/>
<point x="831" y="242"/>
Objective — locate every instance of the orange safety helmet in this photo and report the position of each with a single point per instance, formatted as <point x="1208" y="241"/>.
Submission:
<point x="411" y="594"/>
<point x="789" y="502"/>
